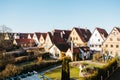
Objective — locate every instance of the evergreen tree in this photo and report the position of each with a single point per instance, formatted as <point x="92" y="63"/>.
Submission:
<point x="65" y="69"/>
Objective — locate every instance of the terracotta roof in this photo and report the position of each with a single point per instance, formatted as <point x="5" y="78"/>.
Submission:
<point x="38" y="34"/>
<point x="117" y="28"/>
<point x="24" y="35"/>
<point x="31" y="34"/>
<point x="84" y="34"/>
<point x="56" y="38"/>
<point x="102" y="32"/>
<point x="64" y="33"/>
<point x="57" y="30"/>
<point x="67" y="33"/>
<point x="24" y="41"/>
<point x="62" y="47"/>
<point x="44" y="35"/>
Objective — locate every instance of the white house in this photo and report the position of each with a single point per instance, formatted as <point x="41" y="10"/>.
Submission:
<point x="42" y="39"/>
<point x="97" y="38"/>
<point x="36" y="37"/>
<point x="57" y="49"/>
<point x="79" y="52"/>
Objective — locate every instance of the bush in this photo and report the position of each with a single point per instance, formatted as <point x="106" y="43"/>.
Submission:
<point x="10" y="70"/>
<point x="103" y="71"/>
<point x="97" y="57"/>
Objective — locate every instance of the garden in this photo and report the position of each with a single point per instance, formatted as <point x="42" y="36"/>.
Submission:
<point x="96" y="69"/>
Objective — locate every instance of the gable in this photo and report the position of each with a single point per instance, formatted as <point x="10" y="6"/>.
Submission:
<point x="114" y="35"/>
<point x="74" y="36"/>
<point x="48" y="39"/>
<point x="96" y="38"/>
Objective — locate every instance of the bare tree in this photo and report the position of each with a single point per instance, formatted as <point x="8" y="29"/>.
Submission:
<point x="5" y="29"/>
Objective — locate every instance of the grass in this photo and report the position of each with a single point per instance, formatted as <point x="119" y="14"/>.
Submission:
<point x="74" y="71"/>
<point x="56" y="74"/>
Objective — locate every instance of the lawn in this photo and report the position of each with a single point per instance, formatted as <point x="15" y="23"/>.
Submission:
<point x="74" y="71"/>
<point x="56" y="74"/>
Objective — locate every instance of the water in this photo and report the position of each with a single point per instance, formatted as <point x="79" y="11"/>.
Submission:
<point x="30" y="76"/>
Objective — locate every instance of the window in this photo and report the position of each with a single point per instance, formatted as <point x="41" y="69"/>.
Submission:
<point x="99" y="40"/>
<point x="92" y="45"/>
<point x="76" y="38"/>
<point x="106" y="45"/>
<point x="111" y="39"/>
<point x="111" y="52"/>
<point x="117" y="46"/>
<point x="99" y="45"/>
<point x="111" y="45"/>
<point x="118" y="39"/>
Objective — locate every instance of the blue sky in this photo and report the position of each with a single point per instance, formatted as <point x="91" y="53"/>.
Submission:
<point x="46" y="15"/>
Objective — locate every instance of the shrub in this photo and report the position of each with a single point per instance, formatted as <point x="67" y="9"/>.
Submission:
<point x="97" y="57"/>
<point x="10" y="70"/>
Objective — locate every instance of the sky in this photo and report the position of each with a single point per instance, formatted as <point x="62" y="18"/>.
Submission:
<point x="46" y="15"/>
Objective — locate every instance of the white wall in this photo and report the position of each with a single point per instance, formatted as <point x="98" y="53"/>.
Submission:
<point x="96" y="40"/>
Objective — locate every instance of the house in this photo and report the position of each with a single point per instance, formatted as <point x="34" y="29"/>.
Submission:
<point x="24" y="42"/>
<point x="53" y="38"/>
<point x="112" y="44"/>
<point x="23" y="35"/>
<point x="36" y="37"/>
<point x="79" y="36"/>
<point x="48" y="41"/>
<point x="63" y="33"/>
<point x="16" y="35"/>
<point x="30" y="35"/>
<point x="97" y="38"/>
<point x="42" y="39"/>
<point x="71" y="52"/>
<point x="76" y="53"/>
<point x="58" y="50"/>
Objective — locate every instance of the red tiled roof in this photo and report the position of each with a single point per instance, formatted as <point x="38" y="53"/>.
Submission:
<point x="57" y="30"/>
<point x="67" y="33"/>
<point x="44" y="35"/>
<point x="56" y="38"/>
<point x="31" y="34"/>
<point x="24" y="41"/>
<point x="117" y="28"/>
<point x="62" y="47"/>
<point x="23" y="35"/>
<point x="38" y="34"/>
<point x="102" y="32"/>
<point x="84" y="34"/>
